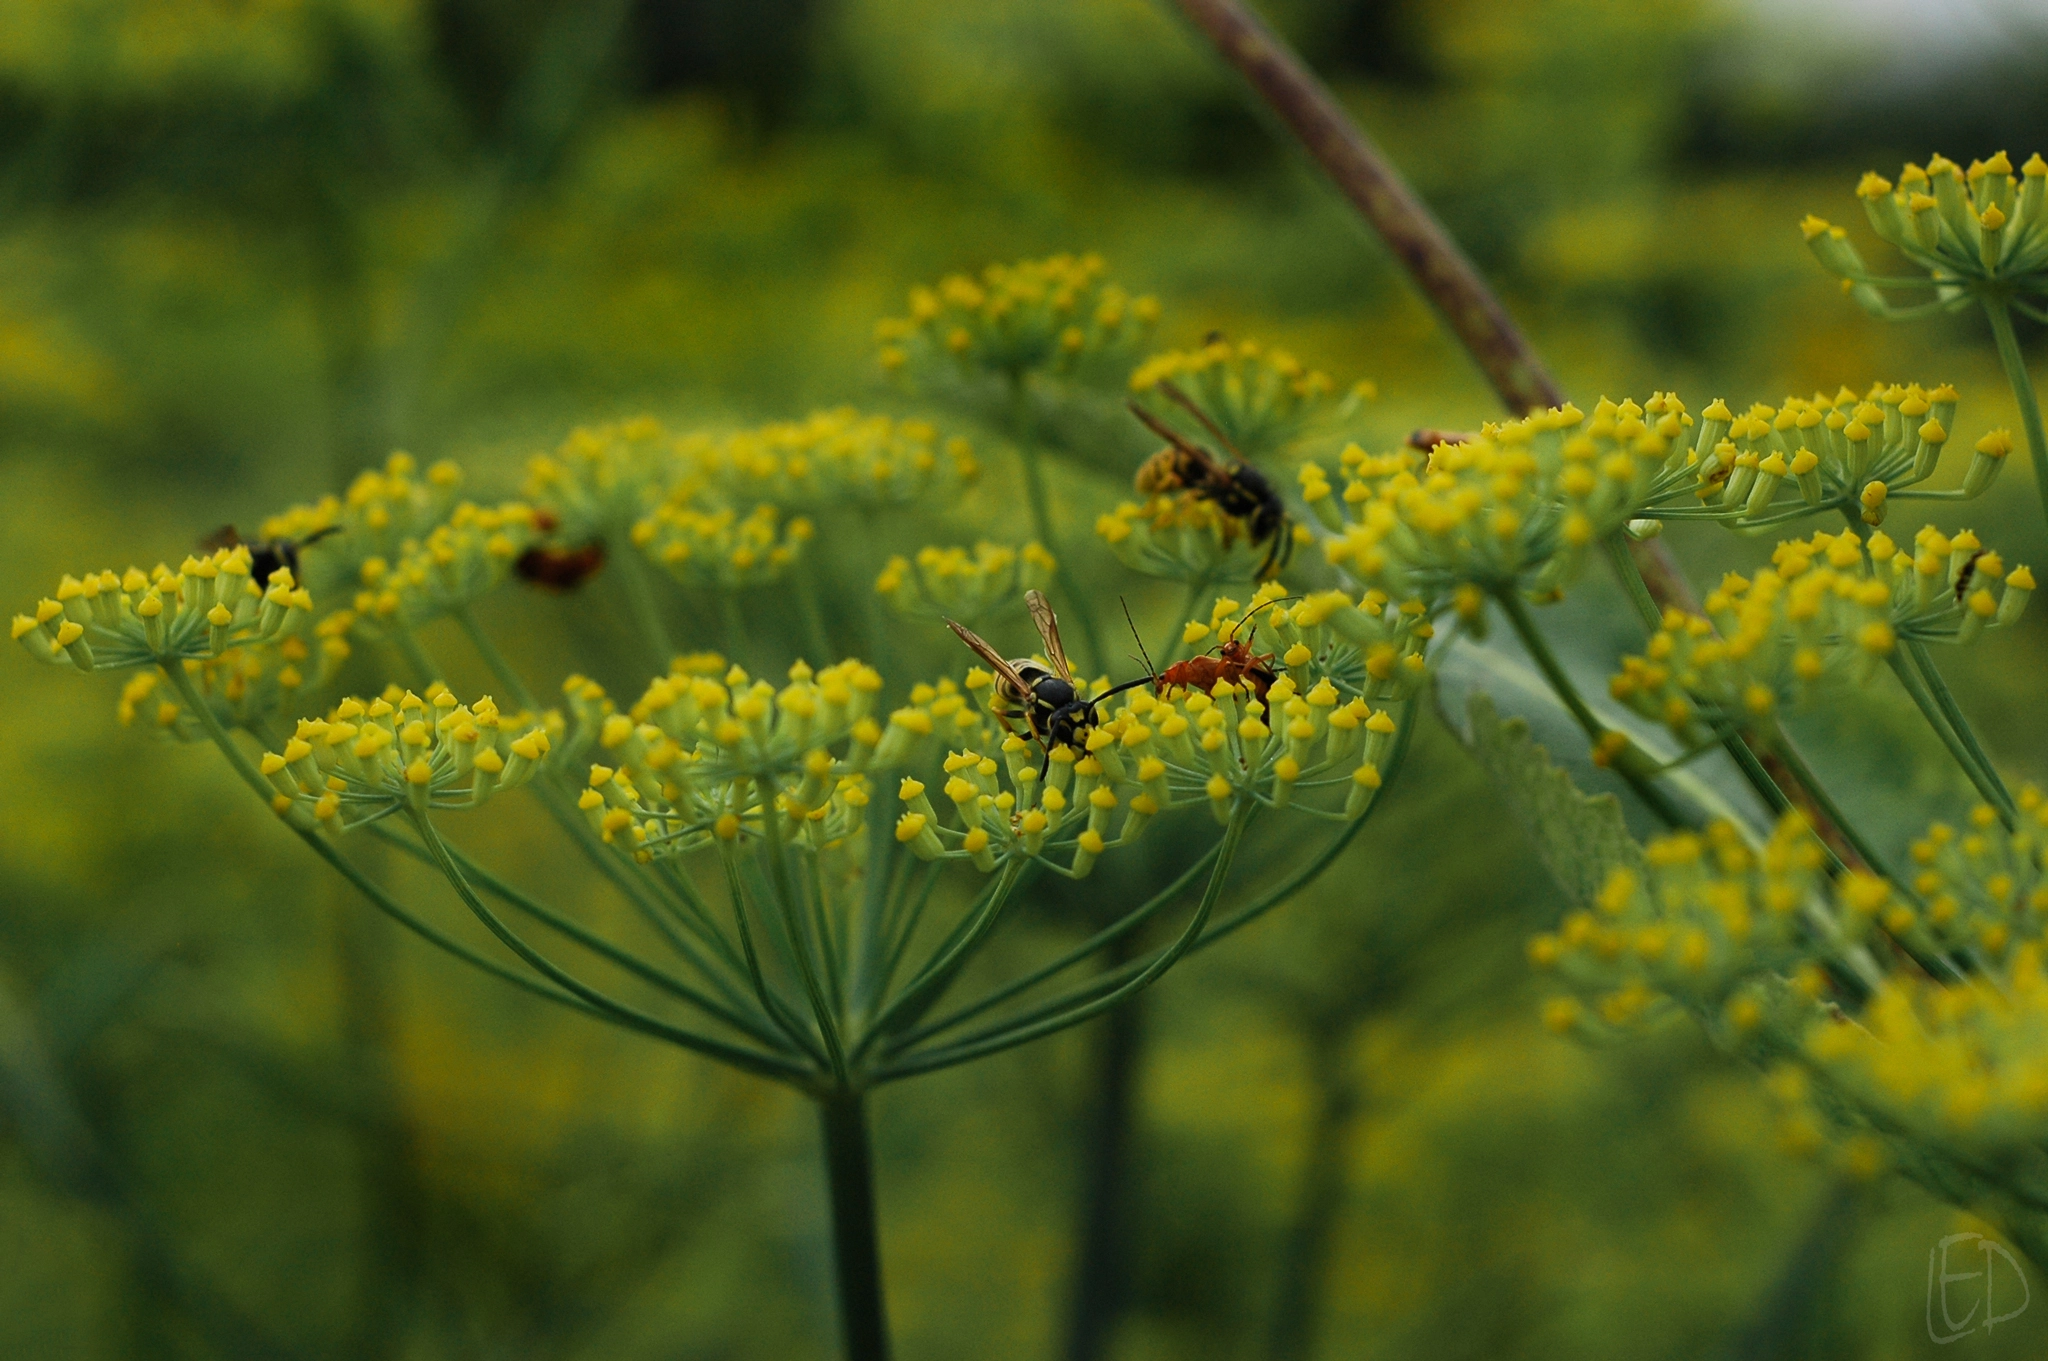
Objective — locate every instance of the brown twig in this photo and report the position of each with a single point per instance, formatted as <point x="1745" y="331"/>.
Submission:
<point x="1468" y="306"/>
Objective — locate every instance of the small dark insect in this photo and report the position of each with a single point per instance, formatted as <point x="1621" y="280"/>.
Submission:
<point x="267" y="555"/>
<point x="1049" y="701"/>
<point x="1967" y="575"/>
<point x="1427" y="438"/>
<point x="1231" y="660"/>
<point x="1236" y="488"/>
<point x="560" y="569"/>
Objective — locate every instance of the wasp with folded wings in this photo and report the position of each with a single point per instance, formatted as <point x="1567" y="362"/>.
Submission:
<point x="1237" y="489"/>
<point x="1048" y="700"/>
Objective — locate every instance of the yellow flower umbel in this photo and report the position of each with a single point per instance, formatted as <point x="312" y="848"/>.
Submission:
<point x="380" y="513"/>
<point x="108" y="621"/>
<point x="603" y="478"/>
<point x="249" y="686"/>
<point x="955" y="583"/>
<point x="700" y="761"/>
<point x="1180" y="536"/>
<point x="837" y="457"/>
<point x="717" y="548"/>
<point x="458" y="563"/>
<point x="1818" y="613"/>
<point x="1708" y="923"/>
<point x="1843" y="453"/>
<point x="1514" y="508"/>
<point x="1262" y="399"/>
<point x="369" y="759"/>
<point x="1984" y="889"/>
<point x="1965" y="228"/>
<point x="1015" y="319"/>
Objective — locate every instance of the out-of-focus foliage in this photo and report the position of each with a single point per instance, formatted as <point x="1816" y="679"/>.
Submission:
<point x="249" y="249"/>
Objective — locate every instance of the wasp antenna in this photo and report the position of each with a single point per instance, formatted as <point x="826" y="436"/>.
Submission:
<point x="1137" y="637"/>
<point x="1164" y="431"/>
<point x="1188" y="404"/>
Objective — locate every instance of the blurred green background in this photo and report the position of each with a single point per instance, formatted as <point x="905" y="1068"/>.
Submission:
<point x="248" y="247"/>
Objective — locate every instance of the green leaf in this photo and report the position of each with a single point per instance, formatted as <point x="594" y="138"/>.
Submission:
<point x="1580" y="838"/>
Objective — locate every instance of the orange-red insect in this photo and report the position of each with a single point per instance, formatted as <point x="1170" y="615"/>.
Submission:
<point x="554" y="568"/>
<point x="1230" y="660"/>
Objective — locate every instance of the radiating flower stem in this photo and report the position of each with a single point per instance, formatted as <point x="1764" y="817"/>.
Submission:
<point x="2015" y="365"/>
<point x="1032" y="459"/>
<point x="1561" y="685"/>
<point x="1916" y="671"/>
<point x="856" y="1248"/>
<point x="496" y="661"/>
<point x="408" y="645"/>
<point x="640" y="600"/>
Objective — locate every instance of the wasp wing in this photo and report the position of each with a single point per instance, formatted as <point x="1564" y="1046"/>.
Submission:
<point x="1049" y="629"/>
<point x="1212" y="467"/>
<point x="1003" y="669"/>
<point x="224" y="537"/>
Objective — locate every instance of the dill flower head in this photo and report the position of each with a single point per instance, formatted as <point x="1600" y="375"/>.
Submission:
<point x="1262" y="399"/>
<point x="717" y="548"/>
<point x="109" y="621"/>
<point x="401" y="751"/>
<point x="829" y="457"/>
<point x="958" y="583"/>
<point x="1033" y="315"/>
<point x="1514" y="508"/>
<point x="458" y="562"/>
<point x="1696" y="925"/>
<point x="1844" y="452"/>
<point x="247" y="686"/>
<point x="1827" y="608"/>
<point x="1983" y="888"/>
<point x="602" y="478"/>
<point x="1961" y="226"/>
<point x="701" y="759"/>
<point x="382" y="511"/>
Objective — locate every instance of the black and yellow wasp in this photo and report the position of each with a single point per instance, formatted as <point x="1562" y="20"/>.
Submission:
<point x="1049" y="701"/>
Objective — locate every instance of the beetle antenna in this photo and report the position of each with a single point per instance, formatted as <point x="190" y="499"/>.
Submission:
<point x="1137" y="637"/>
<point x="1187" y="404"/>
<point x="1278" y="600"/>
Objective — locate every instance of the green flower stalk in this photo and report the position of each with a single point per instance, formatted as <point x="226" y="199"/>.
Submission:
<point x="955" y="583"/>
<point x="1263" y="399"/>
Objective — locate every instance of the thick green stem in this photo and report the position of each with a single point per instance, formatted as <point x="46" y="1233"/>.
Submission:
<point x="1632" y="581"/>
<point x="732" y="624"/>
<point x="1032" y="460"/>
<point x="856" y="1246"/>
<point x="2022" y="390"/>
<point x="424" y="672"/>
<point x="1568" y="694"/>
<point x="499" y="666"/>
<point x="816" y="636"/>
<point x="632" y="573"/>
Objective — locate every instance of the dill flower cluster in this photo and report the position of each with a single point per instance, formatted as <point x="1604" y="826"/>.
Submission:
<point x="455" y="563"/>
<point x="701" y="760"/>
<point x="1961" y="225"/>
<point x="1705" y="923"/>
<point x="1845" y="452"/>
<point x="382" y="511"/>
<point x="1984" y="889"/>
<point x="1830" y="607"/>
<point x="248" y="685"/>
<point x="1033" y="315"/>
<point x="1262" y="398"/>
<point x="958" y="583"/>
<point x="369" y="759"/>
<point x="108" y="621"/>
<point x="1181" y="536"/>
<point x="830" y="457"/>
<point x="602" y="479"/>
<point x="716" y="547"/>
<point x="1514" y="508"/>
